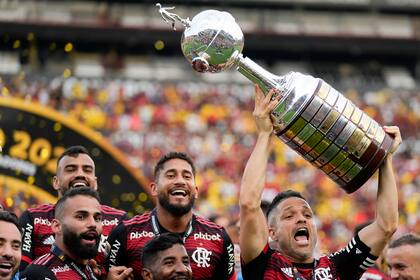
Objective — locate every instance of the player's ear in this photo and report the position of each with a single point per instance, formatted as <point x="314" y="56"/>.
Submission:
<point x="153" y="188"/>
<point x="196" y="192"/>
<point x="146" y="274"/>
<point x="95" y="187"/>
<point x="56" y="183"/>
<point x="272" y="234"/>
<point x="56" y="226"/>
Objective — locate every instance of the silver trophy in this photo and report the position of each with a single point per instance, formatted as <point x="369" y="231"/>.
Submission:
<point x="312" y="118"/>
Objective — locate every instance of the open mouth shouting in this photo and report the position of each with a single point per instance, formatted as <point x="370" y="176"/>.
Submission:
<point x="90" y="238"/>
<point x="6" y="267"/>
<point x="302" y="236"/>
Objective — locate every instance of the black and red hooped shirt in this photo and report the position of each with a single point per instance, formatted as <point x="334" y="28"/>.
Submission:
<point x="348" y="263"/>
<point x="38" y="235"/>
<point x="210" y="249"/>
<point x="55" y="265"/>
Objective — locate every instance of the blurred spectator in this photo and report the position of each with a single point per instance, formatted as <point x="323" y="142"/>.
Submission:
<point x="220" y="220"/>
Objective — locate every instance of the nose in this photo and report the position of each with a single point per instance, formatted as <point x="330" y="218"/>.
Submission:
<point x="80" y="173"/>
<point x="393" y="273"/>
<point x="180" y="180"/>
<point x="181" y="267"/>
<point x="301" y="218"/>
<point x="92" y="222"/>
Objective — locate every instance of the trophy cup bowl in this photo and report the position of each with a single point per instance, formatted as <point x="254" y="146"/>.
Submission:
<point x="212" y="41"/>
<point x="312" y="118"/>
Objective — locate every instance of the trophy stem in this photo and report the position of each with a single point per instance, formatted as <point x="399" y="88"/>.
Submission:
<point x="258" y="75"/>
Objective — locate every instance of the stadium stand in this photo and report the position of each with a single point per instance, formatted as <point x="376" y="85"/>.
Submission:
<point x="147" y="104"/>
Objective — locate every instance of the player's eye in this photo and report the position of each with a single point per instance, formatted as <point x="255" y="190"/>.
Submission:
<point x="16" y="246"/>
<point x="88" y="169"/>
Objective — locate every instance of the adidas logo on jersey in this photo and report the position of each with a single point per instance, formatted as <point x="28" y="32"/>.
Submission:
<point x="206" y="236"/>
<point x="49" y="241"/>
<point x="287" y="271"/>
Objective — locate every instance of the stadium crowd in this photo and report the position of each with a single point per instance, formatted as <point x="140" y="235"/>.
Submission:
<point x="214" y="125"/>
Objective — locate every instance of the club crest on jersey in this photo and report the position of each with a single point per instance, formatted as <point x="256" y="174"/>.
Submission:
<point x="323" y="273"/>
<point x="202" y="257"/>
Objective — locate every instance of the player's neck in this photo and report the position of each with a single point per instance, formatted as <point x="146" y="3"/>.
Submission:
<point x="298" y="259"/>
<point x="69" y="254"/>
<point x="171" y="222"/>
<point x="302" y="261"/>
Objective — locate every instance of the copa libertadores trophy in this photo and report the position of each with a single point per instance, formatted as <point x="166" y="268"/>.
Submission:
<point x="312" y="118"/>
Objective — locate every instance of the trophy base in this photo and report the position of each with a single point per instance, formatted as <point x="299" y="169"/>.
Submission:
<point x="370" y="169"/>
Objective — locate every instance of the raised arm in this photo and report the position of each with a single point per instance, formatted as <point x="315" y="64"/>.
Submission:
<point x="377" y="234"/>
<point x="253" y="225"/>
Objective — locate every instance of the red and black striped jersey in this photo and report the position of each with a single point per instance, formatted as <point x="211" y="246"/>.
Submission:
<point x="210" y="249"/>
<point x="374" y="274"/>
<point x="348" y="263"/>
<point x="52" y="266"/>
<point x="38" y="236"/>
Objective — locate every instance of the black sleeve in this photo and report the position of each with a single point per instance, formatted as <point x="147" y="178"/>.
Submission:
<point x="27" y="224"/>
<point x="116" y="247"/>
<point x="353" y="260"/>
<point x="225" y="269"/>
<point x="37" y="272"/>
<point x="254" y="270"/>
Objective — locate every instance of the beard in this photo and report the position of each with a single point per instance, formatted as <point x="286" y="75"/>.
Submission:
<point x="74" y="244"/>
<point x="176" y="210"/>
